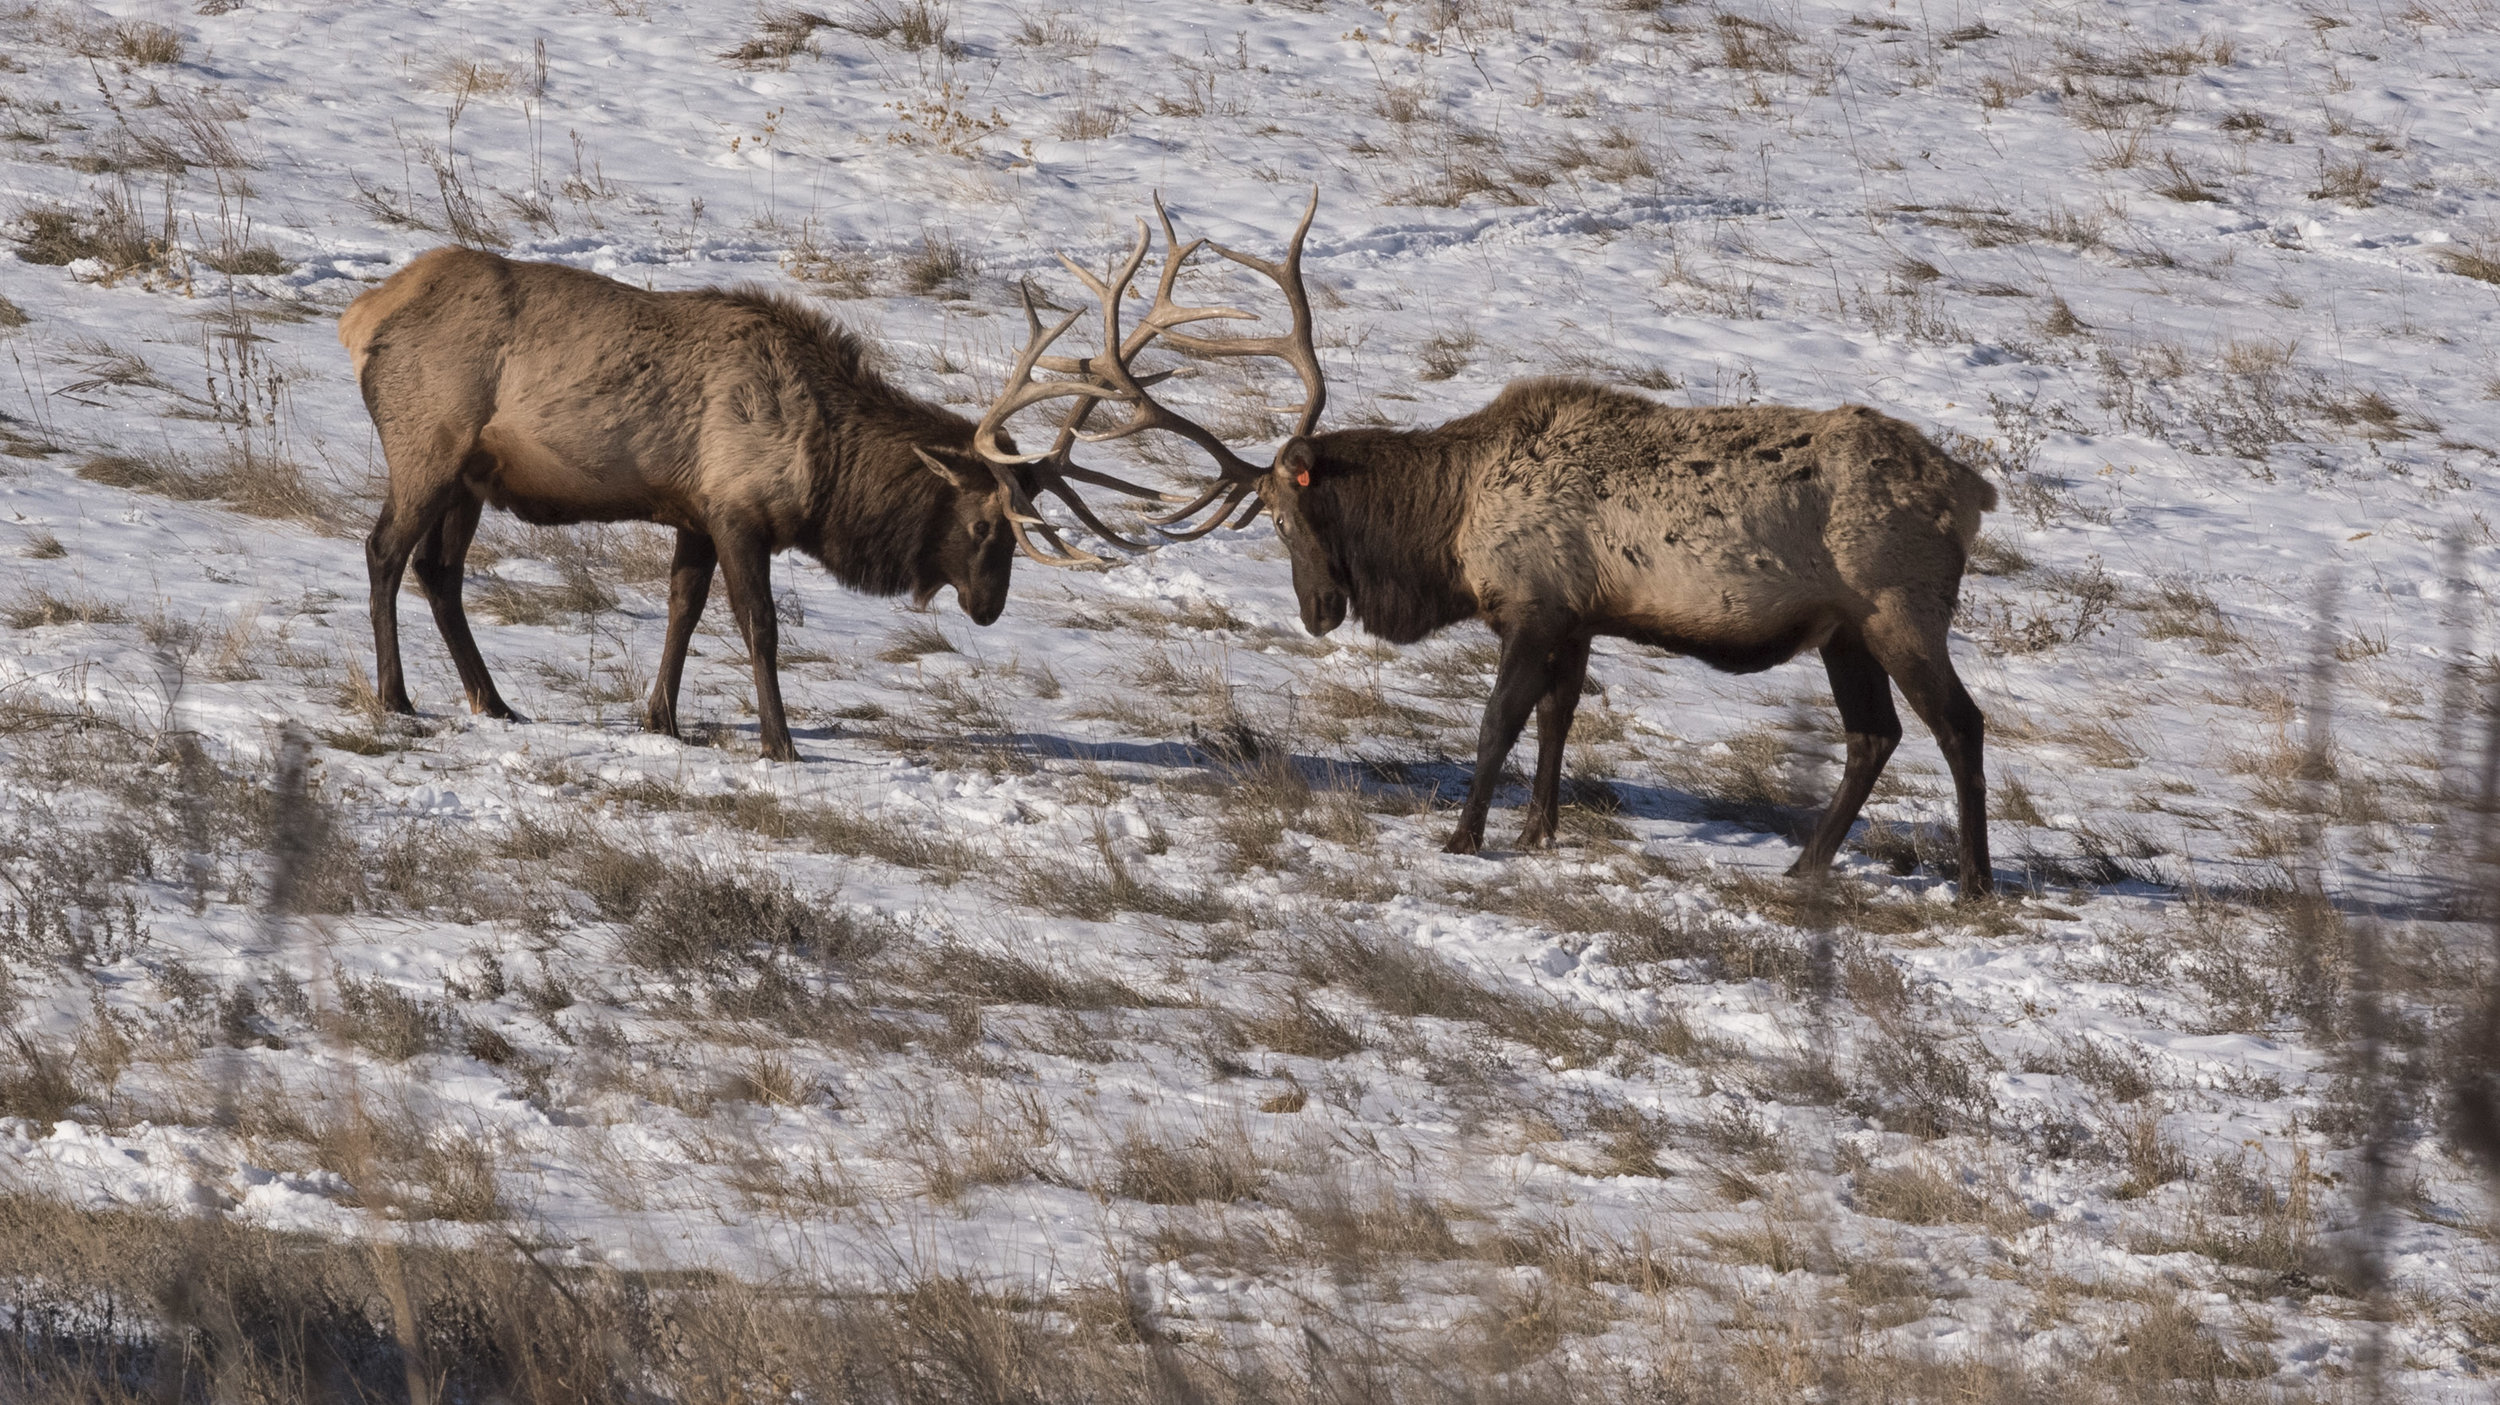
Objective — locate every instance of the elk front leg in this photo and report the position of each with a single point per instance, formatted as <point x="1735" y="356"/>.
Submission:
<point x="1553" y="723"/>
<point x="1527" y="663"/>
<point x="689" y="586"/>
<point x="746" y="565"/>
<point x="1863" y="693"/>
<point x="441" y="563"/>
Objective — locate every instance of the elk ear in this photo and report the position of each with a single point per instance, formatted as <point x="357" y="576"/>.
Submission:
<point x="968" y="475"/>
<point x="1296" y="460"/>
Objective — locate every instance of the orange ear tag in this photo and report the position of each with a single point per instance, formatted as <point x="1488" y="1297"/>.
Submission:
<point x="1303" y="478"/>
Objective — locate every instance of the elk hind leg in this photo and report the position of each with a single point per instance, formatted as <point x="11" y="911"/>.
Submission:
<point x="689" y="586"/>
<point x="406" y="521"/>
<point x="441" y="562"/>
<point x="1527" y="662"/>
<point x="1553" y="724"/>
<point x="1863" y="693"/>
<point x="1923" y="669"/>
<point x="746" y="565"/>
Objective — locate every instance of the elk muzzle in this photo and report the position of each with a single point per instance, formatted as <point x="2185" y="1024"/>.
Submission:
<point x="1322" y="611"/>
<point x="983" y="602"/>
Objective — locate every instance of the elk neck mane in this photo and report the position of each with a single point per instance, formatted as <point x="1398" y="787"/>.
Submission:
<point x="1390" y="503"/>
<point x="876" y="507"/>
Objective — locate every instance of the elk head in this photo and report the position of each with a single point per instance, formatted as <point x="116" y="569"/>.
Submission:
<point x="1241" y="489"/>
<point x="976" y="545"/>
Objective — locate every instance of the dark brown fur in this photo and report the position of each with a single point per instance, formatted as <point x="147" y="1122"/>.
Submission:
<point x="743" y="420"/>
<point x="1742" y="537"/>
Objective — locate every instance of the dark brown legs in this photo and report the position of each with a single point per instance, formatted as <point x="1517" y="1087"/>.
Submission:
<point x="689" y="586"/>
<point x="435" y="539"/>
<point x="1544" y="669"/>
<point x="1569" y="671"/>
<point x="441" y="561"/>
<point x="1863" y="675"/>
<point x="396" y="535"/>
<point x="1864" y="696"/>
<point x="1923" y="671"/>
<point x="746" y="567"/>
<point x="1533" y="659"/>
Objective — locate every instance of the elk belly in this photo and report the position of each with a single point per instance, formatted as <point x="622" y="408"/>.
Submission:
<point x="517" y="472"/>
<point x="1736" y="620"/>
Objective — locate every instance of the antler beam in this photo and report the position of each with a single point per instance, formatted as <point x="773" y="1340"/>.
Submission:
<point x="1109" y="375"/>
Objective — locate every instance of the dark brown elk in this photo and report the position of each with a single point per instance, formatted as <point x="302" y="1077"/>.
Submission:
<point x="741" y="419"/>
<point x="1565" y="510"/>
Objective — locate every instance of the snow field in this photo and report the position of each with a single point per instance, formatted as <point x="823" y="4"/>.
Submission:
<point x="1109" y="950"/>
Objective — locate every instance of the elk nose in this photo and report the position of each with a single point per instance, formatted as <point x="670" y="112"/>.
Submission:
<point x="1323" y="613"/>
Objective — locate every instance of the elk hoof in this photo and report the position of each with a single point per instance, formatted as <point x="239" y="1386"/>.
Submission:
<point x="1538" y="835"/>
<point x="1463" y="842"/>
<point x="664" y="723"/>
<point x="782" y="750"/>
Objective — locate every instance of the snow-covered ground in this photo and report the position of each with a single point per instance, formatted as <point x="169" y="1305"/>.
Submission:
<point x="1028" y="973"/>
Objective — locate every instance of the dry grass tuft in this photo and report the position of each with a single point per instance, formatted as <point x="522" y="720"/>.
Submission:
<point x="1408" y="982"/>
<point x="256" y="484"/>
<point x="2175" y="181"/>
<point x="940" y="267"/>
<point x="699" y="919"/>
<point x="139" y="42"/>
<point x="2179" y="609"/>
<point x="908" y="644"/>
<point x="1302" y="1029"/>
<point x="2153" y="1160"/>
<point x="1213" y="1167"/>
<point x="2165" y="1349"/>
<point x="2479" y="261"/>
<point x="38" y="609"/>
<point x="110" y="231"/>
<point x="781" y="34"/>
<point x="1447" y="354"/>
<point x="911" y="25"/>
<point x="2352" y="182"/>
<point x="1919" y="1194"/>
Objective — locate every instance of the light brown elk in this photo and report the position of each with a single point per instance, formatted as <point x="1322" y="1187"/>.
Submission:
<point x="744" y="421"/>
<point x="1565" y="510"/>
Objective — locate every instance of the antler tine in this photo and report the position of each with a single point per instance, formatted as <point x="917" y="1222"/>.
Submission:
<point x="1052" y="480"/>
<point x="1167" y="314"/>
<point x="1109" y="368"/>
<point x="1293" y="346"/>
<point x="1232" y="491"/>
<point x="1022" y="390"/>
<point x="1023" y="514"/>
<point x="1109" y="375"/>
<point x="1060" y="554"/>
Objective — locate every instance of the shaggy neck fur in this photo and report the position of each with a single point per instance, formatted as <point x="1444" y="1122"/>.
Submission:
<point x="1389" y="504"/>
<point x="879" y="513"/>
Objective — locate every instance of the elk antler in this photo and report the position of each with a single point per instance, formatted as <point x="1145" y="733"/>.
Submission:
<point x="1050" y="469"/>
<point x="1108" y="375"/>
<point x="1292" y="346"/>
